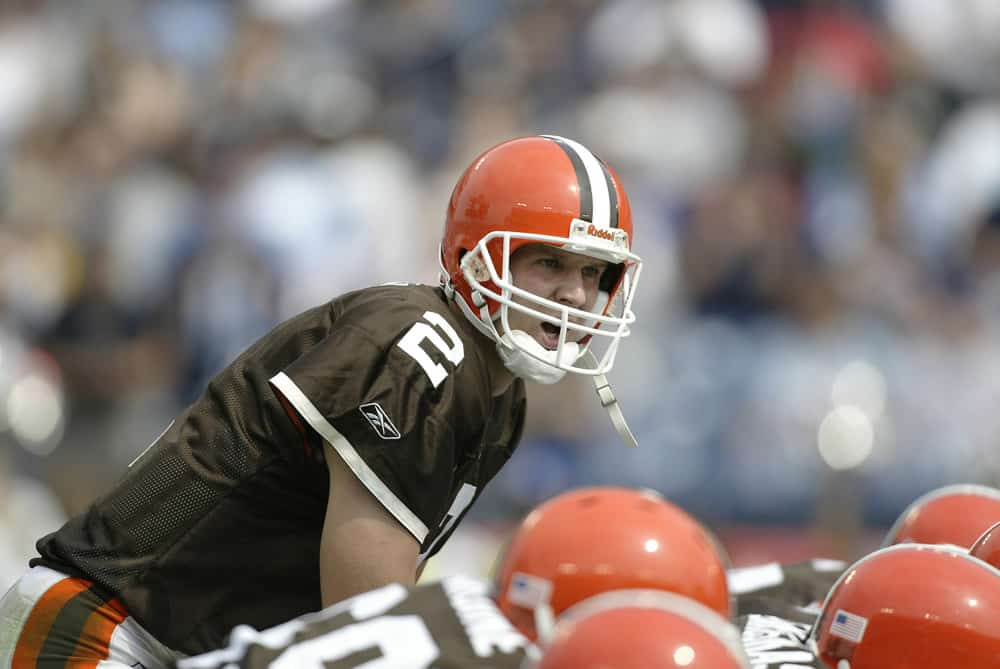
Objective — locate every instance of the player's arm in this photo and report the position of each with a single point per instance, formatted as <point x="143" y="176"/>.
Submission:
<point x="363" y="545"/>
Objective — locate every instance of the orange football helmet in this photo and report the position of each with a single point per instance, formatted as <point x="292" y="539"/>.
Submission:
<point x="987" y="547"/>
<point x="551" y="190"/>
<point x="643" y="629"/>
<point x="588" y="541"/>
<point x="912" y="605"/>
<point x="954" y="514"/>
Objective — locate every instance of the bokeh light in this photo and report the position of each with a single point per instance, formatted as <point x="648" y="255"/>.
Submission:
<point x="846" y="437"/>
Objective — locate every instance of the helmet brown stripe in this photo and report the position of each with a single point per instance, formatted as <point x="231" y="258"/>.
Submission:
<point x="586" y="198"/>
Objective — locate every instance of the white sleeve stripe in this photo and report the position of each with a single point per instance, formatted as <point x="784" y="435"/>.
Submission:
<point x="370" y="479"/>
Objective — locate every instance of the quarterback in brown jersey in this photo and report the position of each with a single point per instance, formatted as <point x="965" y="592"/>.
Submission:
<point x="340" y="450"/>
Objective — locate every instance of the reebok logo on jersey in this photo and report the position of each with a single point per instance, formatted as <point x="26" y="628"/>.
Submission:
<point x="379" y="420"/>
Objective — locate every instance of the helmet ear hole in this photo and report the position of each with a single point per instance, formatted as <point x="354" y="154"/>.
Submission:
<point x="610" y="277"/>
<point x="459" y="256"/>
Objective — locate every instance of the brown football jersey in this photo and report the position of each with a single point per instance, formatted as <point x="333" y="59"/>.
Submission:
<point x="218" y="523"/>
<point x="785" y="590"/>
<point x="452" y="624"/>
<point x="772" y="642"/>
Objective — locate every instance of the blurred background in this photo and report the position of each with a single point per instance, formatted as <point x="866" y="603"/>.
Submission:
<point x="816" y="190"/>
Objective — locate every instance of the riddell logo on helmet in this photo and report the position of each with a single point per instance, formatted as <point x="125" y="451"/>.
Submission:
<point x="600" y="233"/>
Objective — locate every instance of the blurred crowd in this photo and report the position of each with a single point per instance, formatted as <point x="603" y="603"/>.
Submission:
<point x="816" y="188"/>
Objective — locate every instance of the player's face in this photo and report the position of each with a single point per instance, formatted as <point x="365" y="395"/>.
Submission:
<point x="566" y="278"/>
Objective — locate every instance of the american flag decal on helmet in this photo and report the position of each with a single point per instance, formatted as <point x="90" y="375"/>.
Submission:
<point x="528" y="591"/>
<point x="848" y="626"/>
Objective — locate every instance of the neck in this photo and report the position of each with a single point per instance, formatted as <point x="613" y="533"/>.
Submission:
<point x="500" y="376"/>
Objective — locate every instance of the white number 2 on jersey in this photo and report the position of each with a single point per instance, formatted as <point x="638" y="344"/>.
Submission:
<point x="414" y="337"/>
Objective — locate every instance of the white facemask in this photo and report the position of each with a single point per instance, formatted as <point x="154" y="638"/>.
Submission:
<point x="520" y="363"/>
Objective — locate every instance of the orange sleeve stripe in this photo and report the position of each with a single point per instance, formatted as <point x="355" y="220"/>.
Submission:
<point x="293" y="414"/>
<point x="95" y="640"/>
<point x="43" y="614"/>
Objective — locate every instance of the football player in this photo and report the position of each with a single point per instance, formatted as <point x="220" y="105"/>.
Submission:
<point x="774" y="642"/>
<point x="338" y="452"/>
<point x="777" y="605"/>
<point x="577" y="545"/>
<point x="454" y="624"/>
<point x="451" y="624"/>
<point x="954" y="514"/>
<point x="912" y="605"/>
<point x="908" y="605"/>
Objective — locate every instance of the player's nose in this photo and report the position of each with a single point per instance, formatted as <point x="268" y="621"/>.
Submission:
<point x="571" y="290"/>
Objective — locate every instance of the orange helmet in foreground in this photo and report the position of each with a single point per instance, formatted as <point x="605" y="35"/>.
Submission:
<point x="912" y="606"/>
<point x="643" y="629"/>
<point x="589" y="541"/>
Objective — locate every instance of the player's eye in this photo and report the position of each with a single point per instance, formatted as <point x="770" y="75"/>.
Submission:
<point x="592" y="272"/>
<point x="549" y="262"/>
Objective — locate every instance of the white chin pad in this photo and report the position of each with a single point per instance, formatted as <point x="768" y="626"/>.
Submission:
<point x="526" y="358"/>
<point x="568" y="354"/>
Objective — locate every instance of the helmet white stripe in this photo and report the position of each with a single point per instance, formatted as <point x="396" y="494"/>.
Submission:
<point x="612" y="195"/>
<point x="598" y="185"/>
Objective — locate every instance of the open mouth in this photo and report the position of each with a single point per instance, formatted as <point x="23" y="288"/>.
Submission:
<point x="550" y="336"/>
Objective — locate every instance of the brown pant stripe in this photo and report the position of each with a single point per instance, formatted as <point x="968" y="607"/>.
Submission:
<point x="69" y="628"/>
<point x="95" y="641"/>
<point x="43" y="615"/>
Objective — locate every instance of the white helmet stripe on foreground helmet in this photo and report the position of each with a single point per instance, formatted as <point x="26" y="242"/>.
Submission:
<point x="686" y="607"/>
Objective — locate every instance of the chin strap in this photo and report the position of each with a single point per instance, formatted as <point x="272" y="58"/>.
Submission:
<point x="610" y="402"/>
